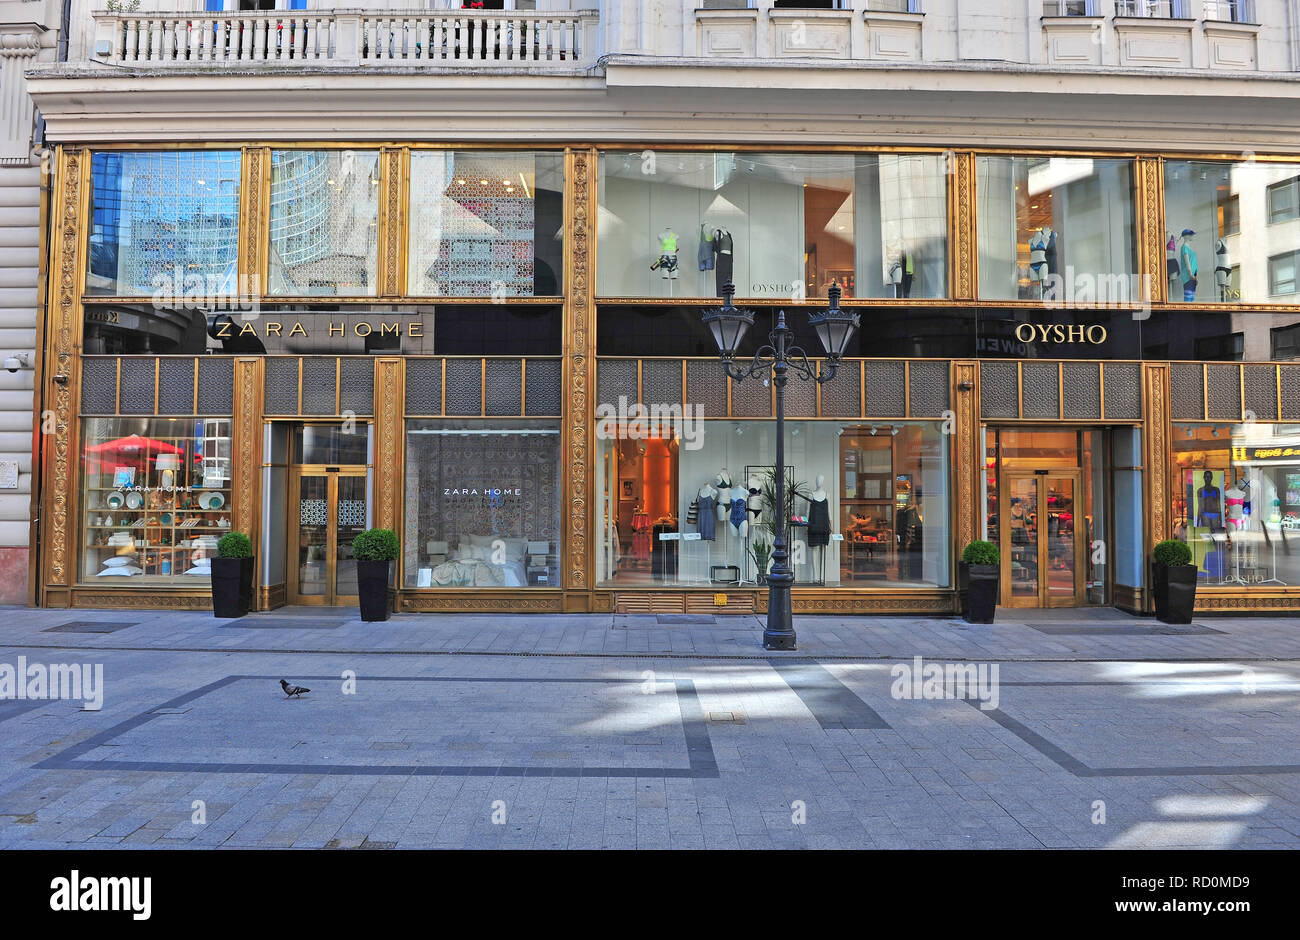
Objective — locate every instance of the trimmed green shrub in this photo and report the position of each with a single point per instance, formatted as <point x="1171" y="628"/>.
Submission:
<point x="1172" y="553"/>
<point x="235" y="545"/>
<point x="376" y="545"/>
<point x="980" y="553"/>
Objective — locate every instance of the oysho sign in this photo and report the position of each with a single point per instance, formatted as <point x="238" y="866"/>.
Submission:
<point x="1061" y="333"/>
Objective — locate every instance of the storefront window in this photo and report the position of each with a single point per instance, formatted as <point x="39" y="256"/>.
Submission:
<point x="778" y="225"/>
<point x="486" y="224"/>
<point x="1236" y="492"/>
<point x="163" y="223"/>
<point x="693" y="504"/>
<point x="1232" y="231"/>
<point x="1057" y="229"/>
<point x="324" y="222"/>
<point x="482" y="504"/>
<point x="156" y="499"/>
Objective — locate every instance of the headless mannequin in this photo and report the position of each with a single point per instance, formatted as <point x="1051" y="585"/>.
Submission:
<point x="666" y="245"/>
<point x="722" y="484"/>
<point x="738" y="510"/>
<point x="706" y="521"/>
<point x="755" y="501"/>
<point x="1222" y="268"/>
<point x="1235" y="499"/>
<point x="1038" y="258"/>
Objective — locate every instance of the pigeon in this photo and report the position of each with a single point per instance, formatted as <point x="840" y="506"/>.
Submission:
<point x="292" y="689"/>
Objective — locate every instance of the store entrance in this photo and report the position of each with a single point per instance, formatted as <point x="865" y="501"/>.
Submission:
<point x="1046" y="510"/>
<point x="328" y="508"/>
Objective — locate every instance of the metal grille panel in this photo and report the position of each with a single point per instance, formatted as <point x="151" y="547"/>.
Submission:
<point x="1261" y="392"/>
<point x="661" y="382"/>
<point x="886" y="384"/>
<point x="99" y="386"/>
<point x="358" y="392"/>
<point x="1040" y="391"/>
<point x="751" y="398"/>
<point x="544" y="382"/>
<point x="504" y="386"/>
<point x="1186" y="392"/>
<point x="1123" y="390"/>
<point x="999" y="391"/>
<point x="1081" y="391"/>
<point x="423" y="386"/>
<point x="706" y="386"/>
<point x="216" y="386"/>
<point x="135" y="394"/>
<point x="615" y="377"/>
<point x="319" y="385"/>
<point x="928" y="385"/>
<point x="280" y="390"/>
<point x="842" y="395"/>
<point x="1223" y="396"/>
<point x="175" y="386"/>
<point x="464" y="386"/>
<point x="1290" y="381"/>
<point x="801" y="398"/>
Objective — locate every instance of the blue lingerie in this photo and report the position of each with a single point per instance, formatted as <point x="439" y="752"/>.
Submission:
<point x="738" y="512"/>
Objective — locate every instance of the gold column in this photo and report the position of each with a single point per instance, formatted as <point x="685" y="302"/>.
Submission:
<point x="254" y="221"/>
<point x="393" y="163"/>
<point x="1156" y="457"/>
<point x="62" y="374"/>
<point x="968" y="450"/>
<point x="1149" y="199"/>
<point x="964" y="253"/>
<point x="579" y="372"/>
<point x="246" y="490"/>
<point x="390" y="404"/>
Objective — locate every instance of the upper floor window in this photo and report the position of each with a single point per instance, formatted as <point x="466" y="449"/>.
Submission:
<point x="1154" y="9"/>
<point x="1282" y="273"/>
<point x="1070" y="8"/>
<point x="1284" y="201"/>
<point x="1286" y="342"/>
<point x="1230" y="11"/>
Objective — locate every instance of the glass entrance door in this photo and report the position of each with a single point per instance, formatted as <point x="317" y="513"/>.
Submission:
<point x="330" y="504"/>
<point x="1042" y="540"/>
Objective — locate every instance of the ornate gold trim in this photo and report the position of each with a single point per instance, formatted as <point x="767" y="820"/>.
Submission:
<point x="579" y="344"/>
<point x="390" y="397"/>
<point x="1249" y="599"/>
<point x="963" y="226"/>
<point x="1149" y="200"/>
<point x="391" y="223"/>
<point x="1155" y="447"/>
<point x="466" y="601"/>
<point x="269" y="597"/>
<point x="968" y="454"/>
<point x="245" y="499"/>
<point x="137" y="600"/>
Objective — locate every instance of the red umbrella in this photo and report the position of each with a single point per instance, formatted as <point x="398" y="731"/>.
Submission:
<point x="130" y="451"/>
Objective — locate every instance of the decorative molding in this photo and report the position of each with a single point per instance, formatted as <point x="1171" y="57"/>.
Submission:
<point x="1250" y="600"/>
<point x="136" y="600"/>
<point x="269" y="597"/>
<point x="579" y="361"/>
<point x="945" y="603"/>
<point x="247" y="446"/>
<point x="1155" y="445"/>
<point x="969" y="452"/>
<point x="452" y="602"/>
<point x="1150" y="197"/>
<point x="390" y="395"/>
<point x="254" y="221"/>
<point x="965" y="252"/>
<point x="391" y="223"/>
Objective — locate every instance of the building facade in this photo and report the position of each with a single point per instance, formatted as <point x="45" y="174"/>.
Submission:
<point x="442" y="271"/>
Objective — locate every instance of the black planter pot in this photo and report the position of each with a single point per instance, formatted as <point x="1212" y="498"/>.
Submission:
<point x="232" y="587"/>
<point x="1174" y="591"/>
<point x="980" y="590"/>
<point x="372" y="590"/>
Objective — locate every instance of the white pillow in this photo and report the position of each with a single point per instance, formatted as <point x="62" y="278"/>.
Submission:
<point x="119" y="572"/>
<point x="119" y="561"/>
<point x="204" y="570"/>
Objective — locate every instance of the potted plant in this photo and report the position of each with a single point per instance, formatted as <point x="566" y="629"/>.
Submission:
<point x="761" y="551"/>
<point x="374" y="550"/>
<point x="1173" y="581"/>
<point x="980" y="581"/>
<point x="232" y="576"/>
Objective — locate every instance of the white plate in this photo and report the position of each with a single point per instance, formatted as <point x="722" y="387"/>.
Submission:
<point x="134" y="500"/>
<point x="114" y="500"/>
<point x="211" y="500"/>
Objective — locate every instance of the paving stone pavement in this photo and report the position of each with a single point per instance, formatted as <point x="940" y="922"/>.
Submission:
<point x="1090" y="729"/>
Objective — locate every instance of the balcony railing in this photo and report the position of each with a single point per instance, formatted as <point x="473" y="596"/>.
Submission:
<point x="454" y="38"/>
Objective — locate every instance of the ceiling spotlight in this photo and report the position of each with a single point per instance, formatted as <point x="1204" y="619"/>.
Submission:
<point x="740" y="429"/>
<point x="1214" y="433"/>
<point x="873" y="430"/>
<point x="894" y="431"/>
<point x="460" y="182"/>
<point x="505" y="182"/>
<point x="483" y="182"/>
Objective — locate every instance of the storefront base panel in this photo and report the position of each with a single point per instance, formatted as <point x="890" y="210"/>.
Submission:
<point x="1128" y="599"/>
<point x="936" y="603"/>
<point x="1247" y="602"/>
<point x="685" y="602"/>
<point x="269" y="597"/>
<point x="136" y="600"/>
<point x="524" y="602"/>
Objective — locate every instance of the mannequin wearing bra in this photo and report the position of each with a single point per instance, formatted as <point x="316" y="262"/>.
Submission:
<point x="754" y="504"/>
<point x="1222" y="268"/>
<point x="1038" y="258"/>
<point x="722" y="483"/>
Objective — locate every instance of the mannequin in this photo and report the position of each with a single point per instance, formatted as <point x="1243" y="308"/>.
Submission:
<point x="1235" y="499"/>
<point x="737" y="510"/>
<point x="667" y="262"/>
<point x="1038" y="258"/>
<point x="895" y="274"/>
<point x="1222" y="268"/>
<point x="1171" y="260"/>
<point x="722" y="250"/>
<point x="819" y="515"/>
<point x="754" y="504"/>
<point x="722" y="484"/>
<point x="705" y="253"/>
<point x="1050" y="251"/>
<point x="706" y="519"/>
<point x="1209" y="504"/>
<point x="1188" y="266"/>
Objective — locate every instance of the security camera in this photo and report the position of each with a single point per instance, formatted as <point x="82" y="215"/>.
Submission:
<point x="14" y="363"/>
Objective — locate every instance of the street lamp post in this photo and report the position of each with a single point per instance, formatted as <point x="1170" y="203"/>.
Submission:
<point x="777" y="359"/>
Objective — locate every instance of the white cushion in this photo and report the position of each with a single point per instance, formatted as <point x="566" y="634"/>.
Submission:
<point x="119" y="561"/>
<point x="119" y="572"/>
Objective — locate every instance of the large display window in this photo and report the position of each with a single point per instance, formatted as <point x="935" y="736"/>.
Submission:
<point x="1233" y="232"/>
<point x="1057" y="229"/>
<point x="324" y="223"/>
<point x="163" y="224"/>
<point x="155" y="499"/>
<point x="486" y="224"/>
<point x="482" y="504"/>
<point x="1236" y="502"/>
<point x="693" y="505"/>
<point x="784" y="226"/>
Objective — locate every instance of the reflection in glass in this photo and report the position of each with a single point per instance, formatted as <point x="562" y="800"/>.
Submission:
<point x="164" y="223"/>
<point x="1232" y="232"/>
<point x="324" y="222"/>
<point x="779" y="225"/>
<point x="331" y="443"/>
<point x="156" y="498"/>
<point x="485" y="223"/>
<point x="1047" y="218"/>
<point x="313" y="535"/>
<point x="482" y="504"/>
<point x="1236" y="501"/>
<point x="351" y="522"/>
